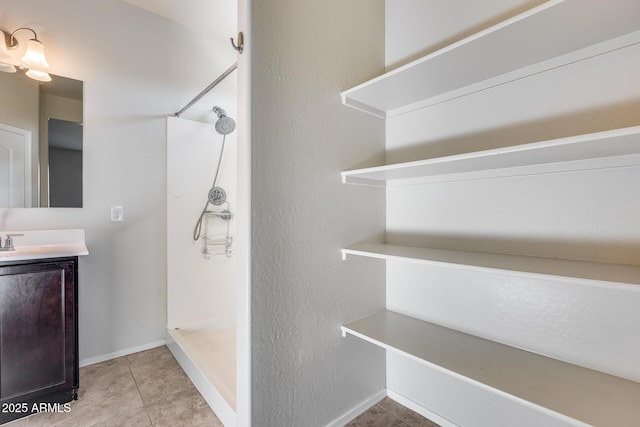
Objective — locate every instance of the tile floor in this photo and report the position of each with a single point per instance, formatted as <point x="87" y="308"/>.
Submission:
<point x="150" y="389"/>
<point x="143" y="389"/>
<point x="389" y="413"/>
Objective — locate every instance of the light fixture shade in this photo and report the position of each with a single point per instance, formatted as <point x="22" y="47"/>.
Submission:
<point x="40" y="76"/>
<point x="34" y="55"/>
<point x="7" y="68"/>
<point x="4" y="52"/>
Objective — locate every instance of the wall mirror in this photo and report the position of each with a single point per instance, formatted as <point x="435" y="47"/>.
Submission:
<point x="40" y="142"/>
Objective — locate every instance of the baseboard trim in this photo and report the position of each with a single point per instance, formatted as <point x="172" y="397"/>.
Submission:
<point x="359" y="409"/>
<point x="443" y="422"/>
<point x="104" y="357"/>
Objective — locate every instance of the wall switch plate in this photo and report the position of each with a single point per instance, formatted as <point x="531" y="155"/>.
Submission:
<point x="117" y="214"/>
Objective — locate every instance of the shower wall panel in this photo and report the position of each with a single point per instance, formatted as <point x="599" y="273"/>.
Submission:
<point x="200" y="292"/>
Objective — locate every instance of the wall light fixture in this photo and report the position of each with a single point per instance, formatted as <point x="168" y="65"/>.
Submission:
<point x="33" y="59"/>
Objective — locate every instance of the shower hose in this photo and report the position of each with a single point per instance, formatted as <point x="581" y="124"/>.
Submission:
<point x="198" y="228"/>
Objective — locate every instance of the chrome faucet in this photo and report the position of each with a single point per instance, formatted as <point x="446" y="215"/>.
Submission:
<point x="8" y="243"/>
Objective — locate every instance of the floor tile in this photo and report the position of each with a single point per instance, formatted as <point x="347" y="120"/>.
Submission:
<point x="376" y="417"/>
<point x="127" y="392"/>
<point x="159" y="357"/>
<point x="103" y="369"/>
<point x="83" y="413"/>
<point x="20" y="422"/>
<point x="150" y="389"/>
<point x="405" y="414"/>
<point x="118" y="392"/>
<point x="389" y="413"/>
<point x="178" y="414"/>
<point x="137" y="418"/>
<point x="162" y="386"/>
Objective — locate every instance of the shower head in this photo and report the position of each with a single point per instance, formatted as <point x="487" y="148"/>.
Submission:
<point x="225" y="125"/>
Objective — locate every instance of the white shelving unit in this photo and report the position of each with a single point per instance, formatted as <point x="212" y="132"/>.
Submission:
<point x="522" y="46"/>
<point x="583" y="394"/>
<point x="511" y="50"/>
<point x="614" y="148"/>
<point x="585" y="272"/>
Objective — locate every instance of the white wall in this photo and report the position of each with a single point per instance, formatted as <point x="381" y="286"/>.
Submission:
<point x="137" y="68"/>
<point x="588" y="215"/>
<point x="441" y="23"/>
<point x="302" y="55"/>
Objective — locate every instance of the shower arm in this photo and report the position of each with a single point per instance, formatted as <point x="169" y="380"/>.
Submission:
<point x="220" y="78"/>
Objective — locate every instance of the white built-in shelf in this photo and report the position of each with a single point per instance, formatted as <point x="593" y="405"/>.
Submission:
<point x="532" y="42"/>
<point x="613" y="148"/>
<point x="583" y="394"/>
<point x="582" y="272"/>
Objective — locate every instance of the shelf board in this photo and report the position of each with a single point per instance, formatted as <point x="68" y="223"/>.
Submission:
<point x="583" y="394"/>
<point x="613" y="148"/>
<point x="584" y="272"/>
<point x="551" y="35"/>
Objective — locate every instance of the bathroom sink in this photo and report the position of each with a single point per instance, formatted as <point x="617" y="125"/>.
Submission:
<point x="39" y="244"/>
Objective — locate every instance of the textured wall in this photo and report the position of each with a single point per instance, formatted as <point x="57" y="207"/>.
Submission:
<point x="303" y="55"/>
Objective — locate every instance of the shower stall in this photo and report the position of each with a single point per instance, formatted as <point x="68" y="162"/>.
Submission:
<point x="201" y="260"/>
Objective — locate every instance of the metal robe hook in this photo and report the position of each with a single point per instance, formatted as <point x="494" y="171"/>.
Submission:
<point x="240" y="46"/>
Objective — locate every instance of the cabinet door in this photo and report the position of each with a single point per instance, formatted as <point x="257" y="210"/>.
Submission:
<point x="37" y="329"/>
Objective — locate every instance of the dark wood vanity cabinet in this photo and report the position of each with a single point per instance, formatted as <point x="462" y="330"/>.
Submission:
<point x="38" y="336"/>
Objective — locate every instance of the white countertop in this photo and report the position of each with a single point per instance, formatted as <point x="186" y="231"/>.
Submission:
<point x="40" y="244"/>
